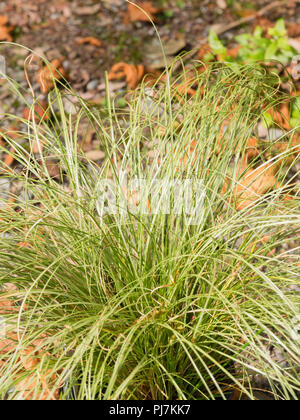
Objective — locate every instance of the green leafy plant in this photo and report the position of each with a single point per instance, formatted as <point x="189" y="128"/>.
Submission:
<point x="216" y="45"/>
<point x="256" y="47"/>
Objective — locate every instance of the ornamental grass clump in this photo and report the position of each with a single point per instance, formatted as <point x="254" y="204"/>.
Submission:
<point x="114" y="289"/>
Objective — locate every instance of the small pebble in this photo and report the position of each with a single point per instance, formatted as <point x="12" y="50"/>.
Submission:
<point x="92" y="85"/>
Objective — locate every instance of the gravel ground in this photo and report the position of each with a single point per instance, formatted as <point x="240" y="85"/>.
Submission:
<point x="53" y="28"/>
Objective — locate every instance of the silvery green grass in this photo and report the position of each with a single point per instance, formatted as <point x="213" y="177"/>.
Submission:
<point x="148" y="306"/>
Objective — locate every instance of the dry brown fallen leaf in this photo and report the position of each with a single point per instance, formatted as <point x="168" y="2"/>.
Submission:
<point x="185" y="157"/>
<point x="281" y="116"/>
<point x="258" y="243"/>
<point x="233" y="52"/>
<point x="7" y="344"/>
<point x="28" y="386"/>
<point x="89" y="40"/>
<point x="254" y="183"/>
<point x="189" y="153"/>
<point x="246" y="12"/>
<point x="9" y="158"/>
<point x="46" y="75"/>
<point x="40" y="112"/>
<point x="134" y="197"/>
<point x="6" y="305"/>
<point x="86" y="143"/>
<point x="132" y="73"/>
<point x="13" y="134"/>
<point x="293" y="30"/>
<point x="291" y="148"/>
<point x="5" y="29"/>
<point x="264" y="22"/>
<point x="221" y="142"/>
<point x="252" y="148"/>
<point x="204" y="50"/>
<point x="29" y="358"/>
<point x="184" y="88"/>
<point x="136" y="15"/>
<point x="252" y="144"/>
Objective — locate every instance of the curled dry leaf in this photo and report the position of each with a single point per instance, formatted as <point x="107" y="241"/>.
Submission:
<point x="40" y="112"/>
<point x="244" y="13"/>
<point x="252" y="144"/>
<point x="135" y="14"/>
<point x="190" y="156"/>
<point x="185" y="88"/>
<point x="29" y="357"/>
<point x="132" y="73"/>
<point x="221" y="142"/>
<point x="7" y="344"/>
<point x="204" y="50"/>
<point x="23" y="244"/>
<point x="86" y="144"/>
<point x="13" y="134"/>
<point x="6" y="305"/>
<point x="290" y="149"/>
<point x="47" y="75"/>
<point x="252" y="147"/>
<point x="233" y="52"/>
<point x="293" y="30"/>
<point x="183" y="157"/>
<point x="281" y="116"/>
<point x="133" y="198"/>
<point x="5" y="29"/>
<point x="264" y="22"/>
<point x="45" y="382"/>
<point x="177" y="126"/>
<point x="253" y="184"/>
<point x="9" y="158"/>
<point x="262" y="243"/>
<point x="89" y="40"/>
